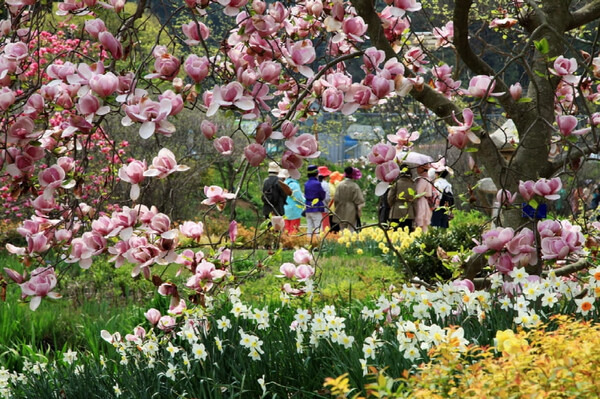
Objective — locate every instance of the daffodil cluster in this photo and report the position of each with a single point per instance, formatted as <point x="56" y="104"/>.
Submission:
<point x="376" y="237"/>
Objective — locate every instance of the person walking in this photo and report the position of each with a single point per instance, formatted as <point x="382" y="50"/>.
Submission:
<point x="324" y="173"/>
<point x="273" y="193"/>
<point x="294" y="205"/>
<point x="348" y="201"/>
<point x="315" y="195"/>
<point x="400" y="197"/>
<point x="444" y="199"/>
<point x="334" y="181"/>
<point x="423" y="203"/>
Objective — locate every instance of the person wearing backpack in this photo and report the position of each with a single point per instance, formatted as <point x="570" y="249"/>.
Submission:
<point x="274" y="193"/>
<point x="444" y="199"/>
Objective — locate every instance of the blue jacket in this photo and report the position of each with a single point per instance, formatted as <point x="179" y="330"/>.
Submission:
<point x="295" y="202"/>
<point x="313" y="190"/>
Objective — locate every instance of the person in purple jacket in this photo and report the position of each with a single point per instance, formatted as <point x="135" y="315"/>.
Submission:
<point x="314" y="194"/>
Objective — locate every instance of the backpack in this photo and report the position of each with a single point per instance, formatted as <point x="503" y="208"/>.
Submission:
<point x="447" y="199"/>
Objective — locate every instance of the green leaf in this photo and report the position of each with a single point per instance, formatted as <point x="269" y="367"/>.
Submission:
<point x="542" y="46"/>
<point x="533" y="203"/>
<point x="314" y="201"/>
<point x="471" y="149"/>
<point x="525" y="100"/>
<point x="540" y="74"/>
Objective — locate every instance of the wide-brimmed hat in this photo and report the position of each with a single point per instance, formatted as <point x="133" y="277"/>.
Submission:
<point x="273" y="167"/>
<point x="324" y="171"/>
<point x="336" y="177"/>
<point x="312" y="170"/>
<point x="283" y="174"/>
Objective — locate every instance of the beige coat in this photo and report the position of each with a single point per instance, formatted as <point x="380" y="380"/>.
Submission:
<point x="348" y="201"/>
<point x="400" y="199"/>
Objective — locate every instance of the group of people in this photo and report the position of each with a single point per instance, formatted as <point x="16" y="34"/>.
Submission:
<point x="424" y="201"/>
<point x="330" y="200"/>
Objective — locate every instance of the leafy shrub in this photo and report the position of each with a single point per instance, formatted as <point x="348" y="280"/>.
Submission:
<point x="421" y="256"/>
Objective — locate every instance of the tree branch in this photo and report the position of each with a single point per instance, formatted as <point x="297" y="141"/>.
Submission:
<point x="584" y="15"/>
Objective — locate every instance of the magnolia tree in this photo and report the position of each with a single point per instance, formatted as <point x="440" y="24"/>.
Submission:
<point x="65" y="71"/>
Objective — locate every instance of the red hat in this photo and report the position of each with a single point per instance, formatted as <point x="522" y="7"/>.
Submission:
<point x="324" y="171"/>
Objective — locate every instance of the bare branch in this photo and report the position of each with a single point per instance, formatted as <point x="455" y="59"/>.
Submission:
<point x="584" y="15"/>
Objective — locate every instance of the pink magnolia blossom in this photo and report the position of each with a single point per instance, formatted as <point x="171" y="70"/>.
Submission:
<point x="104" y="84"/>
<point x="216" y="195"/>
<point x="152" y="115"/>
<point x="305" y="146"/>
<point x="263" y="132"/>
<point x="109" y="42"/>
<point x="16" y="51"/>
<point x="381" y="153"/>
<point x="522" y="248"/>
<point x="460" y="135"/>
<point x="209" y="129"/>
<point x="466" y="284"/>
<point x="195" y="32"/>
<point x="354" y="28"/>
<point x="564" y="66"/>
<point x="133" y="173"/>
<point x="444" y="82"/>
<point x="7" y="98"/>
<point x="37" y="243"/>
<point x="88" y="105"/>
<point x="224" y="145"/>
<point x="548" y="188"/>
<point x="554" y="248"/>
<point x="304" y="272"/>
<point x="94" y="26"/>
<point x="503" y="262"/>
<point x="302" y="256"/>
<point x="505" y="197"/>
<point x="255" y="154"/>
<point x="192" y="230"/>
<point x="567" y="124"/>
<point x="34" y="105"/>
<point x="358" y="96"/>
<point x="332" y="99"/>
<point x="299" y="54"/>
<point x="287" y="270"/>
<point x="50" y="179"/>
<point x="526" y="189"/>
<point x="206" y="274"/>
<point x="166" y="67"/>
<point x="403" y="139"/>
<point x="572" y="235"/>
<point x="230" y="95"/>
<point x="15" y="276"/>
<point x="233" y="230"/>
<point x="549" y="228"/>
<point x="166" y="323"/>
<point x="42" y="282"/>
<point x="196" y="67"/>
<point x="415" y="57"/>
<point x="444" y="35"/>
<point x="164" y="164"/>
<point x="387" y="171"/>
<point x="175" y="99"/>
<point x="495" y="239"/>
<point x="270" y="71"/>
<point x="372" y="58"/>
<point x="382" y="85"/>
<point x="482" y="86"/>
<point x="22" y="130"/>
<point x="153" y="316"/>
<point x="515" y="91"/>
